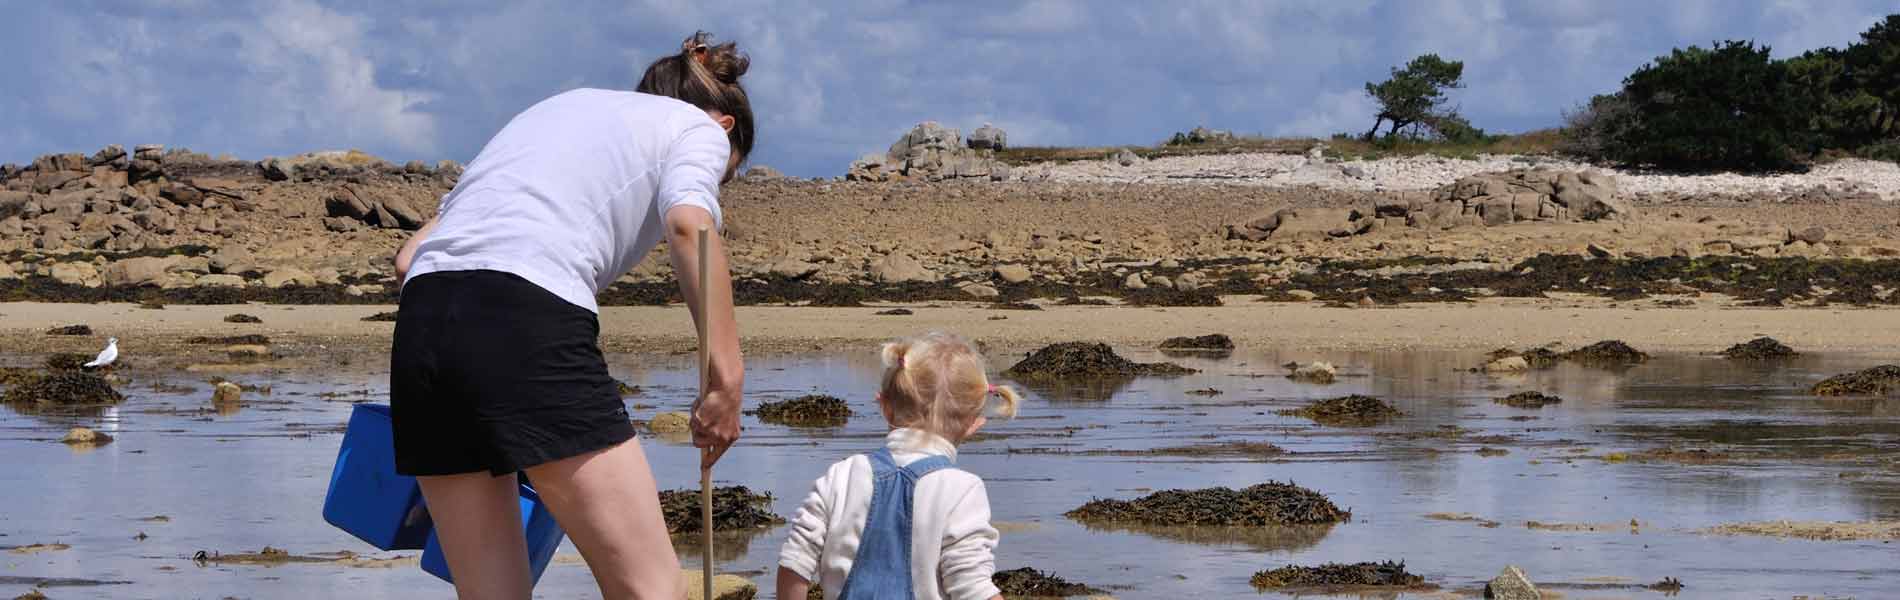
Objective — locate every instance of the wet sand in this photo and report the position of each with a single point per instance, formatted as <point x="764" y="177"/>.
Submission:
<point x="1481" y="325"/>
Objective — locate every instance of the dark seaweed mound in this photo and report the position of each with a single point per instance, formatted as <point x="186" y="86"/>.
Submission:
<point x="1607" y="353"/>
<point x="1528" y="400"/>
<point x="1346" y="411"/>
<point x="249" y="339"/>
<point x="1028" y="582"/>
<point x="1270" y="503"/>
<point x="1537" y="358"/>
<point x="382" y="317"/>
<point x="1335" y="574"/>
<point x="66" y="361"/>
<point x="816" y="410"/>
<point x="735" y="508"/>
<point x="70" y="330"/>
<point x="241" y="318"/>
<point x="896" y="312"/>
<point x="1015" y="306"/>
<point x="1212" y="341"/>
<point x="1883" y="380"/>
<point x="64" y="388"/>
<point x="1761" y="348"/>
<point x="1083" y="359"/>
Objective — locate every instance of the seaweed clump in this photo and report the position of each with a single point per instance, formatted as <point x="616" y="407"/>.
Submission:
<point x="249" y="339"/>
<point x="1883" y="380"/>
<point x="1379" y="574"/>
<point x="1270" y="503"/>
<point x="1761" y="348"/>
<point x="1027" y="582"/>
<point x="241" y="318"/>
<point x="816" y="410"/>
<point x="1607" y="353"/>
<point x="735" y="508"/>
<point x="70" y="330"/>
<point x="1083" y="359"/>
<point x="1212" y="341"/>
<point x="1346" y="411"/>
<point x="66" y="361"/>
<point x="1528" y="400"/>
<point x="382" y="317"/>
<point x="1535" y="358"/>
<point x="70" y="388"/>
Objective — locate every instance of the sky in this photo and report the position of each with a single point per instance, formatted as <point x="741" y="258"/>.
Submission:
<point x="830" y="80"/>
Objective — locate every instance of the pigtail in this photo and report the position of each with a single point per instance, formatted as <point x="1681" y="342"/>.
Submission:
<point x="892" y="354"/>
<point x="1008" y="400"/>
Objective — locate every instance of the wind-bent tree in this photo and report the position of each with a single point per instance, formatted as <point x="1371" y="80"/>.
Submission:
<point x="1416" y="93"/>
<point x="1874" y="66"/>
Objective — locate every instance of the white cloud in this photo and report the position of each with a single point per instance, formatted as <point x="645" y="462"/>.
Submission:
<point x="1330" y="113"/>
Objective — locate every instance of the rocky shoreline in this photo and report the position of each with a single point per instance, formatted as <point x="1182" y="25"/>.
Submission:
<point x="159" y="226"/>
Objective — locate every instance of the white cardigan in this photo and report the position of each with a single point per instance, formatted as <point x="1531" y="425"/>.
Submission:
<point x="952" y="542"/>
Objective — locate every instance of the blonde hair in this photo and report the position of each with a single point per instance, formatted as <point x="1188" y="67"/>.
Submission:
<point x="936" y="382"/>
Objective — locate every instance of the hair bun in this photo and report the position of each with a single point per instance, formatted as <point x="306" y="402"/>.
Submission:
<point x="724" y="61"/>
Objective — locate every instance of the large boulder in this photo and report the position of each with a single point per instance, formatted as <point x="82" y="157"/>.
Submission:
<point x="75" y="273"/>
<point x="320" y="165"/>
<point x="929" y="152"/>
<point x="1301" y="223"/>
<point x="898" y="268"/>
<point x="1514" y="197"/>
<point x="137" y="271"/>
<point x="988" y="137"/>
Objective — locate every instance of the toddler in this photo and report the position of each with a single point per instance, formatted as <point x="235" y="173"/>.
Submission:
<point x="903" y="522"/>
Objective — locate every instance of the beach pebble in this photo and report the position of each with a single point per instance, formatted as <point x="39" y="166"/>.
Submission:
<point x="1512" y="584"/>
<point x="84" y="436"/>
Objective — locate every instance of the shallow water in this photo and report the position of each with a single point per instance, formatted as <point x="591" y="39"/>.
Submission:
<point x="238" y="481"/>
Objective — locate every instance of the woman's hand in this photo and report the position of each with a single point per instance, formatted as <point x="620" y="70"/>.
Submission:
<point x="715" y="419"/>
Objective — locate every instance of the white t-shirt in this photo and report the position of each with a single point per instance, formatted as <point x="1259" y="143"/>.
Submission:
<point x="952" y="544"/>
<point x="572" y="193"/>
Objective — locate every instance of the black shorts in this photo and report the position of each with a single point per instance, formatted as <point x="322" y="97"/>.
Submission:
<point x="492" y="373"/>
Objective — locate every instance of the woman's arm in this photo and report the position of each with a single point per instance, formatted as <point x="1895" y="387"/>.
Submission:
<point x="407" y="255"/>
<point x="716" y="417"/>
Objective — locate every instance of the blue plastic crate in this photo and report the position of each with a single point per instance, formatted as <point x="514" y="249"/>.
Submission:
<point x="544" y="537"/>
<point x="367" y="498"/>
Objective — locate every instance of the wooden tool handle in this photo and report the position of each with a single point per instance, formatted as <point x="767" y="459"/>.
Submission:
<point x="705" y="379"/>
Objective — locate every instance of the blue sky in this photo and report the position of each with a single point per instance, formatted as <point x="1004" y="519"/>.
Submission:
<point x="831" y="80"/>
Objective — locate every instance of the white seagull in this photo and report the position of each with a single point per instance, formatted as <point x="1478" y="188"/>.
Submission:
<point x="106" y="356"/>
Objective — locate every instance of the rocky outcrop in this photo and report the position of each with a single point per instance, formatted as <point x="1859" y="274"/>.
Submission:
<point x="1512" y="197"/>
<point x="929" y="152"/>
<point x="1491" y="199"/>
<point x="988" y="137"/>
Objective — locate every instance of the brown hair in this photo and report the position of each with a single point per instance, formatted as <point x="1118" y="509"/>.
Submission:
<point x="936" y="382"/>
<point x="707" y="76"/>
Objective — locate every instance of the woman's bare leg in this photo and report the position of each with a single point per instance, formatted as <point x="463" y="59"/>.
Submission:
<point x="478" y="520"/>
<point x="607" y="502"/>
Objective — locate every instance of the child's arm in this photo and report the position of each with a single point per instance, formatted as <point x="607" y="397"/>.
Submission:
<point x="805" y="543"/>
<point x="969" y="549"/>
<point x="792" y="586"/>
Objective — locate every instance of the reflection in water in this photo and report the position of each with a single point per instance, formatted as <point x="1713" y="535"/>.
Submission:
<point x="1799" y="458"/>
<point x="728" y="546"/>
<point x="1095" y="389"/>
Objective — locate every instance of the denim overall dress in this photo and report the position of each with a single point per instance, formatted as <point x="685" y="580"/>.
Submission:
<point x="881" y="570"/>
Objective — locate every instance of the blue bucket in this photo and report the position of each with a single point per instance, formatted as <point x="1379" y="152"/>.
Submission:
<point x="544" y="537"/>
<point x="367" y="498"/>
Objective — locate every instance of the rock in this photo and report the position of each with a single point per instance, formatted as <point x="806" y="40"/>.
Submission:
<point x="342" y="224"/>
<point x="182" y="195"/>
<point x="221" y="280"/>
<point x="75" y="273"/>
<point x="1512" y="584"/>
<point x="137" y="271"/>
<point x="988" y="137"/>
<point x="870" y="167"/>
<point x="226" y="393"/>
<point x="407" y="217"/>
<point x="979" y="290"/>
<point x="671" y="422"/>
<point x="1599" y="251"/>
<point x="1354" y="171"/>
<point x="81" y="436"/>
<point x="1508" y="364"/>
<point x="287" y="276"/>
<point x="725" y="586"/>
<point x="1161" y="281"/>
<point x="1314" y="372"/>
<point x="346" y="201"/>
<point x="152" y="152"/>
<point x="328" y="276"/>
<point x="13" y="203"/>
<point x="1302" y="295"/>
<point x="898" y="268"/>
<point x="1013" y="273"/>
<point x="793" y="269"/>
<point x="1811" y="235"/>
<point x="7" y="273"/>
<point x="1126" y="158"/>
<point x="107" y="155"/>
<point x="1134" y="282"/>
<point x="761" y="173"/>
